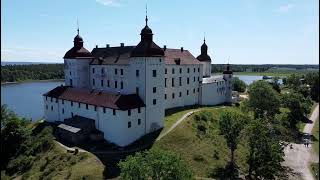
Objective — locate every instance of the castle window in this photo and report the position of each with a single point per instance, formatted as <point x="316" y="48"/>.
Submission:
<point x="46" y="98"/>
<point x="51" y="99"/>
<point x="188" y="70"/>
<point x="137" y="73"/>
<point x="93" y="82"/>
<point x="102" y="70"/>
<point x="180" y="94"/>
<point x="197" y="89"/>
<point x="187" y="80"/>
<point x="46" y="106"/>
<point x="92" y="70"/>
<point x="129" y="124"/>
<point x="198" y="78"/>
<point x="114" y="112"/>
<point x="139" y="110"/>
<point x="104" y="110"/>
<point x="198" y="69"/>
<point x="51" y="108"/>
<point x="172" y="82"/>
<point x="159" y="60"/>
<point x="165" y="96"/>
<point x="62" y="111"/>
<point x="165" y="82"/>
<point x="57" y="100"/>
<point x="194" y="91"/>
<point x="121" y="85"/>
<point x="154" y="89"/>
<point x="194" y="79"/>
<point x="108" y="83"/>
<point x="72" y="114"/>
<point x="139" y="121"/>
<point x="180" y="83"/>
<point x="154" y="101"/>
<point x="102" y="83"/>
<point x="154" y="73"/>
<point x="121" y="71"/>
<point x="165" y="71"/>
<point x="87" y="106"/>
<point x="62" y="101"/>
<point x="194" y="70"/>
<point x="70" y="82"/>
<point x="115" y="71"/>
<point x="172" y="70"/>
<point x="95" y="108"/>
<point x="172" y="95"/>
<point x="137" y="90"/>
<point x="115" y="84"/>
<point x="187" y="92"/>
<point x="70" y="73"/>
<point x="79" y="105"/>
<point x="71" y="103"/>
<point x="129" y="112"/>
<point x="180" y="70"/>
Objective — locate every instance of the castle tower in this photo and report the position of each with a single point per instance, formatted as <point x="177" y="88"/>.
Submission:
<point x="76" y="64"/>
<point x="205" y="59"/>
<point x="227" y="75"/>
<point x="147" y="58"/>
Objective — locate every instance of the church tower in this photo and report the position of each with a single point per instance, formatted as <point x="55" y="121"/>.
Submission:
<point x="227" y="76"/>
<point x="205" y="59"/>
<point x="76" y="64"/>
<point x="147" y="59"/>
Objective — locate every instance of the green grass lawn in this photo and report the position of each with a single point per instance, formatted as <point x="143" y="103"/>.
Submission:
<point x="315" y="133"/>
<point x="203" y="153"/>
<point x="315" y="170"/>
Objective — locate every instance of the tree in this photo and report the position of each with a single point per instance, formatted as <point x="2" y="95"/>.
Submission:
<point x="263" y="99"/>
<point x="154" y="164"/>
<point x="298" y="106"/>
<point x="231" y="124"/>
<point x="275" y="84"/>
<point x="238" y="85"/>
<point x="265" y="151"/>
<point x="293" y="81"/>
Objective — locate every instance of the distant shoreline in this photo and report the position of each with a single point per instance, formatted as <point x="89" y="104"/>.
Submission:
<point x="32" y="80"/>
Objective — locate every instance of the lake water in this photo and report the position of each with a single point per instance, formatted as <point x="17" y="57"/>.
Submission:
<point x="25" y="99"/>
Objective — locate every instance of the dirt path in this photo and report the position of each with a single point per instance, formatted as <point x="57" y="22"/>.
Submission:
<point x="300" y="157"/>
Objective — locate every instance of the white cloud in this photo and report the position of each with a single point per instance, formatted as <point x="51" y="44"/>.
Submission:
<point x="109" y="2"/>
<point x="285" y="8"/>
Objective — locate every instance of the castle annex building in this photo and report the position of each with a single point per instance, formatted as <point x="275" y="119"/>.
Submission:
<point x="125" y="90"/>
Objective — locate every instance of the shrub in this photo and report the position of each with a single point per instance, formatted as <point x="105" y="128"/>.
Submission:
<point x="21" y="164"/>
<point x="198" y="157"/>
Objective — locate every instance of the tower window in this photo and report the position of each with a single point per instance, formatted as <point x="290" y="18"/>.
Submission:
<point x="102" y="70"/>
<point x="172" y="95"/>
<point x="72" y="114"/>
<point x="137" y="73"/>
<point x="154" y="73"/>
<point x="46" y="106"/>
<point x="87" y="106"/>
<point x="154" y="89"/>
<point x="70" y="73"/>
<point x="172" y="82"/>
<point x="165" y="71"/>
<point x="194" y="70"/>
<point x="154" y="101"/>
<point x="93" y="82"/>
<point x="187" y="80"/>
<point x="187" y="92"/>
<point x="115" y="71"/>
<point x="92" y="70"/>
<point x="71" y="103"/>
<point x="62" y="110"/>
<point x="198" y="79"/>
<point x="79" y="104"/>
<point x="172" y="70"/>
<point x="101" y="82"/>
<point x="104" y="110"/>
<point x="180" y="70"/>
<point x="46" y="98"/>
<point x="129" y="112"/>
<point x="165" y="82"/>
<point x="198" y="69"/>
<point x="115" y="84"/>
<point x="95" y="108"/>
<point x="165" y="96"/>
<point x="121" y="71"/>
<point x="121" y="85"/>
<point x="180" y="94"/>
<point x="129" y="124"/>
<point x="137" y="90"/>
<point x="114" y="112"/>
<point x="188" y="70"/>
<point x="108" y="83"/>
<point x="62" y="101"/>
<point x="194" y="91"/>
<point x="194" y="79"/>
<point x="180" y="83"/>
<point x="51" y="108"/>
<point x="139" y="121"/>
<point x="51" y="99"/>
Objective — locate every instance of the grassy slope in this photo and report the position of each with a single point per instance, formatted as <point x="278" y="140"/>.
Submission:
<point x="315" y="132"/>
<point x="184" y="141"/>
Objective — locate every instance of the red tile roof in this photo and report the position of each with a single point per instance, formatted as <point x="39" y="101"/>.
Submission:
<point x="97" y="98"/>
<point x="121" y="55"/>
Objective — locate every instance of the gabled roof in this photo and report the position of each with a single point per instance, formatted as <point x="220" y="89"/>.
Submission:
<point x="121" y="56"/>
<point x="97" y="98"/>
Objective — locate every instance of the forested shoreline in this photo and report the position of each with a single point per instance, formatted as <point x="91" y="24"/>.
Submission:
<point x="16" y="73"/>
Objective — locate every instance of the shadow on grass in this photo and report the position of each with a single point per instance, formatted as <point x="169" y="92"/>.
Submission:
<point x="230" y="171"/>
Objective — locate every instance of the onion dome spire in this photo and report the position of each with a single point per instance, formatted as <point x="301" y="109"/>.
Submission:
<point x="228" y="70"/>
<point x="204" y="57"/>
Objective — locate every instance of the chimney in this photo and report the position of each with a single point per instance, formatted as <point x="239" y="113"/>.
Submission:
<point x="108" y="45"/>
<point x="181" y="49"/>
<point x="122" y="44"/>
<point x="164" y="47"/>
<point x="96" y="46"/>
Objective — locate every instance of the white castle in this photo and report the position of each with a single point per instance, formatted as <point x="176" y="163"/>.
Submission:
<point x="126" y="89"/>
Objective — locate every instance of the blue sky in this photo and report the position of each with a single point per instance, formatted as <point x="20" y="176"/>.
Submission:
<point x="246" y="31"/>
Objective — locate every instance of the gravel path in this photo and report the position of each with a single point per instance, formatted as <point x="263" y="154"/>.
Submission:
<point x="300" y="157"/>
